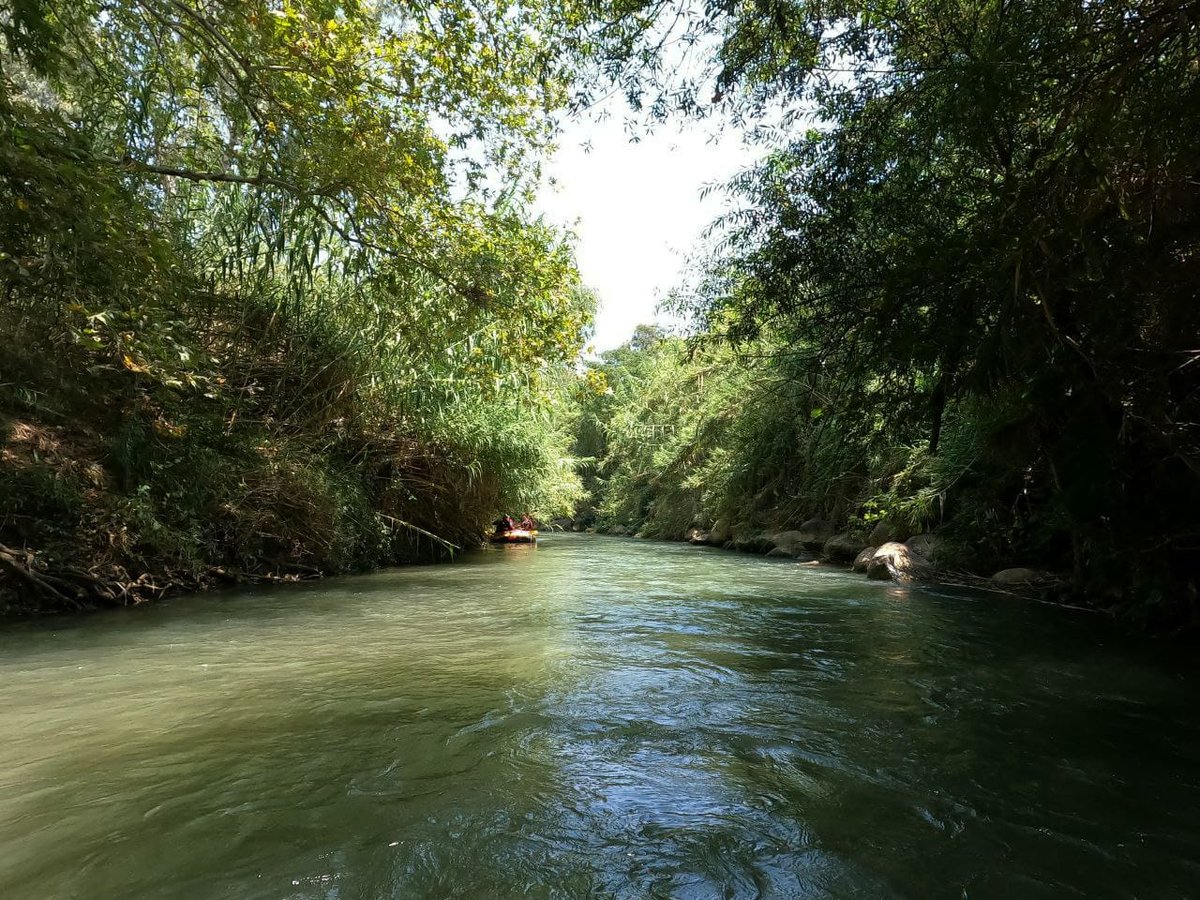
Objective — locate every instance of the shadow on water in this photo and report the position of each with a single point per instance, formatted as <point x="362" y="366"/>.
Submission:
<point x="595" y="717"/>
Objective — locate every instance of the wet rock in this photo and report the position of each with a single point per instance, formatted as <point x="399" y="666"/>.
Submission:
<point x="1018" y="576"/>
<point x="696" y="536"/>
<point x="843" y="547"/>
<point x="754" y="543"/>
<point x="883" y="533"/>
<point x="925" y="546"/>
<point x="720" y="533"/>
<point x="863" y="559"/>
<point x="789" y="542"/>
<point x="618" y="531"/>
<point x="780" y="552"/>
<point x="814" y="533"/>
<point x="897" y="562"/>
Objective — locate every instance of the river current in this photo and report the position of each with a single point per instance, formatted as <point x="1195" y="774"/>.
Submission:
<point x="596" y="717"/>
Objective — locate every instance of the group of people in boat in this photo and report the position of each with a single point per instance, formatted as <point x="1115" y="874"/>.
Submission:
<point x="506" y="524"/>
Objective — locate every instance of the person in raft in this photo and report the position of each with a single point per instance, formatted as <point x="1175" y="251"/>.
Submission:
<point x="504" y="524"/>
<point x="526" y="523"/>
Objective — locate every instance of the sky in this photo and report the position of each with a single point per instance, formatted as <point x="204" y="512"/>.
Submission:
<point x="637" y="210"/>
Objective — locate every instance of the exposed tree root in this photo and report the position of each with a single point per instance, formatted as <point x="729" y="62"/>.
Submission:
<point x="73" y="588"/>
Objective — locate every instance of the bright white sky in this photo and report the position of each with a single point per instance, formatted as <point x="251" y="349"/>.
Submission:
<point x="636" y="209"/>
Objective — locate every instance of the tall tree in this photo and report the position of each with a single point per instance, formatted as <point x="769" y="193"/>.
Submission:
<point x="992" y="200"/>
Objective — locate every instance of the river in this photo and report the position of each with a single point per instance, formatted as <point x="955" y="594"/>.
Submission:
<point x="595" y="717"/>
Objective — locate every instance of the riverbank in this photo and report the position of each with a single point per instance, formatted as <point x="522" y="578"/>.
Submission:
<point x="133" y="502"/>
<point x="886" y="553"/>
<point x="273" y="332"/>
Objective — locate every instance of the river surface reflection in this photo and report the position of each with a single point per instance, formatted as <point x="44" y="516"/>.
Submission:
<point x="595" y="717"/>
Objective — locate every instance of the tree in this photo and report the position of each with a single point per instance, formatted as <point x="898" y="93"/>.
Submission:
<point x="994" y="202"/>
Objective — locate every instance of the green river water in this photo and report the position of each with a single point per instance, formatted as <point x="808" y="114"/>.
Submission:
<point x="596" y="717"/>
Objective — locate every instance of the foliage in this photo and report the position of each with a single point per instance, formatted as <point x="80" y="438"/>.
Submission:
<point x="274" y="293"/>
<point x="993" y="207"/>
<point x="687" y="434"/>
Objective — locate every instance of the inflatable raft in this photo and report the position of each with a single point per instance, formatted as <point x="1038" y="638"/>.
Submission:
<point x="515" y="536"/>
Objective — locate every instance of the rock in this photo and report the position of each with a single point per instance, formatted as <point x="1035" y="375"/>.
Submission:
<point x="720" y="533"/>
<point x="895" y="561"/>
<point x="578" y="526"/>
<point x="696" y="536"/>
<point x="884" y="533"/>
<point x="619" y="530"/>
<point x="789" y="542"/>
<point x="861" y="561"/>
<point x="780" y="552"/>
<point x="1018" y="576"/>
<point x="814" y="533"/>
<point x="562" y="523"/>
<point x="843" y="547"/>
<point x="754" y="543"/>
<point x="924" y="545"/>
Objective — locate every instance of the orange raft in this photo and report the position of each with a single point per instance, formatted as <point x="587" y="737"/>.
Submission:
<point x="514" y="536"/>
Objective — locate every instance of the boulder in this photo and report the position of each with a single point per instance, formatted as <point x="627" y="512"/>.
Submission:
<point x="883" y="533"/>
<point x="619" y="530"/>
<point x="1018" y="576"/>
<point x="577" y="526"/>
<point x="780" y="553"/>
<point x="861" y="561"/>
<point x="814" y="533"/>
<point x="895" y="561"/>
<point x="754" y="543"/>
<point x="789" y="542"/>
<point x="561" y="523"/>
<point x="843" y="547"/>
<point x="696" y="536"/>
<point x="924" y="545"/>
<point x="720" y="533"/>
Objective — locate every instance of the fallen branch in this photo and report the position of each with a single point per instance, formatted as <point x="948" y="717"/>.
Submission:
<point x="21" y="564"/>
<point x="454" y="548"/>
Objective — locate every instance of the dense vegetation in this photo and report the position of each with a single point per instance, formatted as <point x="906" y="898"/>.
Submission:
<point x="273" y="304"/>
<point x="964" y="295"/>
